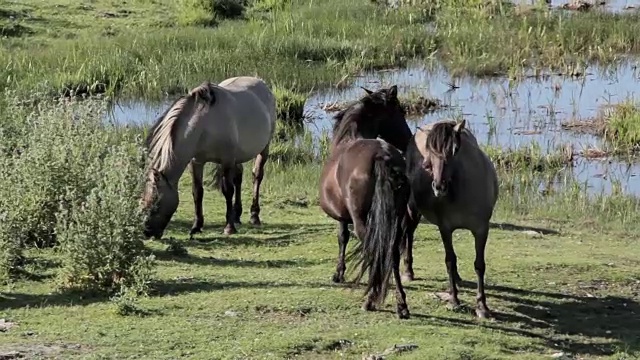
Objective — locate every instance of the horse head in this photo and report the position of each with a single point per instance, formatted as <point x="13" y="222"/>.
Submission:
<point x="442" y="144"/>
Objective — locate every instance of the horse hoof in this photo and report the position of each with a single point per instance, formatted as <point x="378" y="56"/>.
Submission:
<point x="230" y="230"/>
<point x="195" y="230"/>
<point x="368" y="306"/>
<point x="484" y="313"/>
<point x="336" y="278"/>
<point x="255" y="221"/>
<point x="407" y="277"/>
<point x="403" y="312"/>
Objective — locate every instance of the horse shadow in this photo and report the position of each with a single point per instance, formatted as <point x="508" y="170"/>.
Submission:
<point x="513" y="227"/>
<point x="164" y="255"/>
<point x="597" y="326"/>
<point x="266" y="235"/>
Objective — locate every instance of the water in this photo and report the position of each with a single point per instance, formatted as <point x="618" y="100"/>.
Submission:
<point x="499" y="112"/>
<point x="613" y="6"/>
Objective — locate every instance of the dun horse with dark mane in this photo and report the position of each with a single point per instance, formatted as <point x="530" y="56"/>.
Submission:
<point x="228" y="124"/>
<point x="364" y="183"/>
<point x="455" y="186"/>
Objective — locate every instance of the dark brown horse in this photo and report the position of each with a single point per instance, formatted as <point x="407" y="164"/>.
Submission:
<point x="364" y="183"/>
<point x="454" y="186"/>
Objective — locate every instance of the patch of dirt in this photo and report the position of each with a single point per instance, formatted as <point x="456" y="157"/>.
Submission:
<point x="594" y="126"/>
<point x="288" y="314"/>
<point x="319" y="346"/>
<point x="6" y="325"/>
<point x="38" y="350"/>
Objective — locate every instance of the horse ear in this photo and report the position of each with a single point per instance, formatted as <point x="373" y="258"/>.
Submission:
<point x="460" y="126"/>
<point x="393" y="92"/>
<point x="369" y="92"/>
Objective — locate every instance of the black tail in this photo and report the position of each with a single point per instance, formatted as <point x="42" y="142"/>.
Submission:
<point x="385" y="228"/>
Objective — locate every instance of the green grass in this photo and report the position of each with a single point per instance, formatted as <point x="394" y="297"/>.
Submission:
<point x="562" y="264"/>
<point x="266" y="293"/>
<point x="148" y="48"/>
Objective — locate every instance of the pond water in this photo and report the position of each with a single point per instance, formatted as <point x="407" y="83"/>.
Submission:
<point x="499" y="112"/>
<point x="613" y="6"/>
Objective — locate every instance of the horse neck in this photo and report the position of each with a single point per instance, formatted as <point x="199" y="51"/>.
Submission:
<point x="183" y="144"/>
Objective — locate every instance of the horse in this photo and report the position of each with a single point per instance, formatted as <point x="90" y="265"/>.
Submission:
<point x="227" y="124"/>
<point x="363" y="182"/>
<point x="454" y="185"/>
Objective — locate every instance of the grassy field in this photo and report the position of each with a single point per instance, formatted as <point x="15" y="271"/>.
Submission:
<point x="145" y="48"/>
<point x="563" y="275"/>
<point x="266" y="293"/>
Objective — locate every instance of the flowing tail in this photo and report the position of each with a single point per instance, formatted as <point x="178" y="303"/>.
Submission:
<point x="385" y="229"/>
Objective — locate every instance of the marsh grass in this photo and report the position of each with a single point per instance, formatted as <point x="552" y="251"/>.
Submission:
<point x="310" y="46"/>
<point x="480" y="37"/>
<point x="618" y="124"/>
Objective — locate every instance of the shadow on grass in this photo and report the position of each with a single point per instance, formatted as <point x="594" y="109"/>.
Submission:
<point x="513" y="227"/>
<point x="269" y="235"/>
<point x="163" y="255"/>
<point x="597" y="326"/>
<point x="185" y="286"/>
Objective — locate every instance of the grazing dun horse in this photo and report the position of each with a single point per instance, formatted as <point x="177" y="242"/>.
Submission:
<point x="364" y="183"/>
<point x="454" y="186"/>
<point x="228" y="124"/>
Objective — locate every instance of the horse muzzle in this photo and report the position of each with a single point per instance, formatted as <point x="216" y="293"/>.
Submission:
<point x="439" y="190"/>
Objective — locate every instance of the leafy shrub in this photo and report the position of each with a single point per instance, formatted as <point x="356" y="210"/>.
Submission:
<point x="68" y="179"/>
<point x="101" y="235"/>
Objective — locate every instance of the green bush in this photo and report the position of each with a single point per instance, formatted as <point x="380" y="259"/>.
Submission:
<point x="68" y="179"/>
<point x="101" y="236"/>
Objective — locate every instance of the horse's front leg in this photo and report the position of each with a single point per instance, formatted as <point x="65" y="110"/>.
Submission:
<point x="227" y="190"/>
<point x="237" y="184"/>
<point x="451" y="261"/>
<point x="481" y="241"/>
<point x="411" y="219"/>
<point x="197" y="170"/>
<point x="258" y="175"/>
<point x="402" y="309"/>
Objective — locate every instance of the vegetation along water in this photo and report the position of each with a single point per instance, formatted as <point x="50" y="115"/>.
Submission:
<point x="546" y="88"/>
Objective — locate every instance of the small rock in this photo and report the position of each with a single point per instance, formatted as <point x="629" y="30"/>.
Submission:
<point x="533" y="234"/>
<point x="6" y="325"/>
<point x="9" y="355"/>
<point x="230" y="313"/>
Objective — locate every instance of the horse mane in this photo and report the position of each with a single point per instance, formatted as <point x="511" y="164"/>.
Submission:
<point x="441" y="138"/>
<point x="346" y="120"/>
<point x="160" y="141"/>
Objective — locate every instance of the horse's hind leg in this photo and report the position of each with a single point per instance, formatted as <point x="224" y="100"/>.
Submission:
<point x="227" y="190"/>
<point x="197" y="190"/>
<point x="258" y="175"/>
<point x="452" y="266"/>
<point x="343" y="240"/>
<point x="481" y="241"/>
<point x="237" y="184"/>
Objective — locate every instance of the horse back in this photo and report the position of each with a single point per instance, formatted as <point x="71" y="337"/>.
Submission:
<point x="243" y="118"/>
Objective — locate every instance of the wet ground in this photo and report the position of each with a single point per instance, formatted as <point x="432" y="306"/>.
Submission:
<point x="500" y="112"/>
